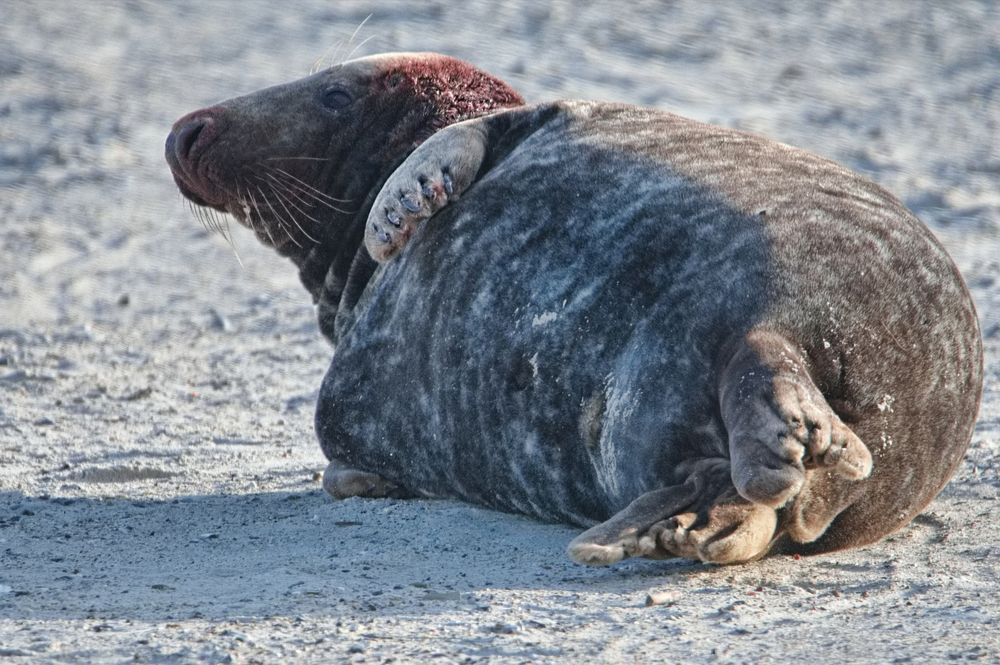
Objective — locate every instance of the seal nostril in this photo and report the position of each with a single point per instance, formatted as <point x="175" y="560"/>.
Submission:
<point x="186" y="137"/>
<point x="193" y="133"/>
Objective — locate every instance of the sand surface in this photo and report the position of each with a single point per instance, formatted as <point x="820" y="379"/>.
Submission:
<point x="158" y="496"/>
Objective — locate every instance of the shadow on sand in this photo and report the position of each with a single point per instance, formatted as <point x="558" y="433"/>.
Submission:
<point x="280" y="554"/>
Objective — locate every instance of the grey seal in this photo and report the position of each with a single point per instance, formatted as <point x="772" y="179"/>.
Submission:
<point x="695" y="341"/>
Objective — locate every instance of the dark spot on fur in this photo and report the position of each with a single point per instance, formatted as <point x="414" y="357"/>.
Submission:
<point x="522" y="374"/>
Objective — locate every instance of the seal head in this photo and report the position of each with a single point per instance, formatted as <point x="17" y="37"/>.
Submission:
<point x="299" y="163"/>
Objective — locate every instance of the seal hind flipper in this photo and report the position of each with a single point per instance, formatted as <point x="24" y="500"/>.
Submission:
<point x="786" y="446"/>
<point x="705" y="519"/>
<point x="434" y="175"/>
<point x="730" y="530"/>
<point x="784" y="437"/>
<point x="622" y="536"/>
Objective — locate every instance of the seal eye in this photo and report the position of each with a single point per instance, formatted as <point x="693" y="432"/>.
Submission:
<point x="336" y="98"/>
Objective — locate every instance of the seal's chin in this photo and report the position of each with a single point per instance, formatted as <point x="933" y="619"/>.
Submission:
<point x="196" y="197"/>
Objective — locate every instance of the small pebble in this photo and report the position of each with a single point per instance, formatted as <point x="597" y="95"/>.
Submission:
<point x="661" y="598"/>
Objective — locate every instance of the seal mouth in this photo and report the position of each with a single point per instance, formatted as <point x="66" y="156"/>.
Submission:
<point x="277" y="200"/>
<point x="277" y="203"/>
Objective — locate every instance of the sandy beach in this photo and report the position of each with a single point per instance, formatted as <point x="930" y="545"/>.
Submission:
<point x="159" y="476"/>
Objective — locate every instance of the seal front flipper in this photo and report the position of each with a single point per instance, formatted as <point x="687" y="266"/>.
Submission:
<point x="434" y="175"/>
<point x="341" y="482"/>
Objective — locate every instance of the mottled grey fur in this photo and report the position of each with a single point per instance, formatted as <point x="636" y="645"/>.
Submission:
<point x="628" y="302"/>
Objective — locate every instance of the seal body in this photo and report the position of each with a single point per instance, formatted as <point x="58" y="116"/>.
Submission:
<point x="695" y="341"/>
<point x="555" y="342"/>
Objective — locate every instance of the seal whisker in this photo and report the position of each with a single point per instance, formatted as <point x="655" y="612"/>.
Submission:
<point x="288" y="195"/>
<point x="245" y="208"/>
<point x="220" y="224"/>
<point x="197" y="214"/>
<point x="206" y="219"/>
<point x="194" y="211"/>
<point x="297" y="191"/>
<point x="256" y="208"/>
<point x="292" y="193"/>
<point x="309" y="189"/>
<point x="227" y="235"/>
<point x="292" y="185"/>
<point x="281" y="201"/>
<point x="350" y="40"/>
<point x="278" y="218"/>
<point x="216" y="222"/>
<point x="318" y="64"/>
<point x="302" y="184"/>
<point x="361" y="43"/>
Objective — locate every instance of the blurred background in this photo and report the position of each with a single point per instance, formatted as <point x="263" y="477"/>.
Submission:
<point x="906" y="92"/>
